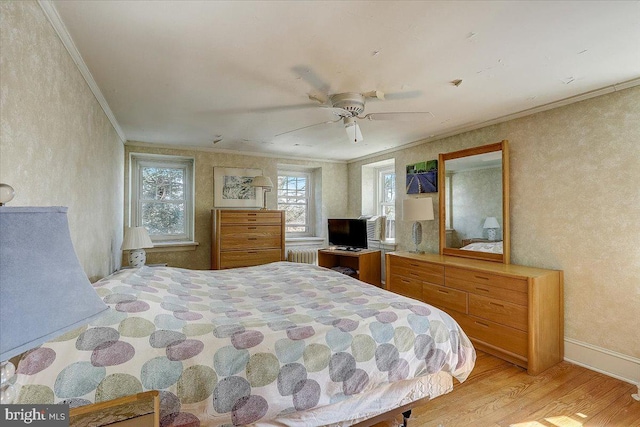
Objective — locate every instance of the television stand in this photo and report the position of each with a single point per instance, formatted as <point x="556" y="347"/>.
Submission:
<point x="365" y="262"/>
<point x="348" y="248"/>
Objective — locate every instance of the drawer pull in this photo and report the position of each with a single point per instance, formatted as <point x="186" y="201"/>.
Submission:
<point x="252" y="228"/>
<point x="495" y="303"/>
<point x="405" y="281"/>
<point x="481" y="277"/>
<point x="252" y="238"/>
<point x="252" y="252"/>
<point x="252" y="219"/>
<point x="252" y="214"/>
<point x="443" y="291"/>
<point x="481" y="324"/>
<point x="482" y="289"/>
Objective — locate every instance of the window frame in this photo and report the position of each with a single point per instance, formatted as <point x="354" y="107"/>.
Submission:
<point x="138" y="161"/>
<point x="310" y="217"/>
<point x="379" y="197"/>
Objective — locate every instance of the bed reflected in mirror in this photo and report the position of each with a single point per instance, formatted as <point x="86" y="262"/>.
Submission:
<point x="474" y="203"/>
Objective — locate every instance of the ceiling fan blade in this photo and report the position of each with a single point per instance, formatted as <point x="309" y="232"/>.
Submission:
<point x="403" y="117"/>
<point x="271" y="109"/>
<point x="310" y="126"/>
<point x="377" y="94"/>
<point x="312" y="78"/>
<point x="400" y="95"/>
<point x="320" y="97"/>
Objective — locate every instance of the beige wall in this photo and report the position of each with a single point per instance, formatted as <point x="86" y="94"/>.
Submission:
<point x="333" y="195"/>
<point x="57" y="146"/>
<point x="575" y="206"/>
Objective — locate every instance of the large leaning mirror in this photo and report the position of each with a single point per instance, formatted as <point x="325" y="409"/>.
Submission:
<point x="473" y="187"/>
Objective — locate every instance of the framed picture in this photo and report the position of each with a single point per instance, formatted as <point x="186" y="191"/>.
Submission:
<point x="232" y="188"/>
<point x="422" y="177"/>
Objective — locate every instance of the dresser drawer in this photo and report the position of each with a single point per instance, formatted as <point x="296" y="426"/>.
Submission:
<point x="234" y="259"/>
<point x="405" y="286"/>
<point x="485" y="278"/>
<point x="424" y="271"/>
<point x="498" y="311"/>
<point x="498" y="336"/>
<point x="515" y="297"/>
<point x="257" y="217"/>
<point x="250" y="236"/>
<point x="445" y="297"/>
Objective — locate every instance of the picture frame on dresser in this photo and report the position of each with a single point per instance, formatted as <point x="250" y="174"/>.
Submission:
<point x="232" y="188"/>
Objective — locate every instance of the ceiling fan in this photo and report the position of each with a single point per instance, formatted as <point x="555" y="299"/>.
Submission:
<point x="349" y="106"/>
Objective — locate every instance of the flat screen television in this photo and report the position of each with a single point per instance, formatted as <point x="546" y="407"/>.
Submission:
<point x="348" y="232"/>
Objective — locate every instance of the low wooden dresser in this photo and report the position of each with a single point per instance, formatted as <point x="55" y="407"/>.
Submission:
<point x="511" y="311"/>
<point x="242" y="238"/>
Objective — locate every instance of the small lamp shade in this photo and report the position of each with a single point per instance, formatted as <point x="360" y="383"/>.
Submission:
<point x="135" y="240"/>
<point x="417" y="210"/>
<point x="266" y="184"/>
<point x="491" y="224"/>
<point x="44" y="292"/>
<point x="262" y="181"/>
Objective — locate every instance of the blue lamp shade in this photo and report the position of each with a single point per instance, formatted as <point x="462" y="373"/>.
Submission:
<point x="44" y="291"/>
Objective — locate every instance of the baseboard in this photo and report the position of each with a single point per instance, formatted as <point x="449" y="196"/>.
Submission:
<point x="616" y="365"/>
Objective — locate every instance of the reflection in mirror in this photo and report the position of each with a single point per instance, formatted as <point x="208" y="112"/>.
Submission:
<point x="473" y="196"/>
<point x="474" y="203"/>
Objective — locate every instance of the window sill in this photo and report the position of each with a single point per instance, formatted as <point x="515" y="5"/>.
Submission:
<point x="291" y="242"/>
<point x="387" y="245"/>
<point x="174" y="247"/>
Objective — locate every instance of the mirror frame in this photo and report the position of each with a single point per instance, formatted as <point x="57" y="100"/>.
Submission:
<point x="506" y="247"/>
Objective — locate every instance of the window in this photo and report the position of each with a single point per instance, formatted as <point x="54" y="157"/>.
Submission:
<point x="387" y="199"/>
<point x="295" y="199"/>
<point x="162" y="197"/>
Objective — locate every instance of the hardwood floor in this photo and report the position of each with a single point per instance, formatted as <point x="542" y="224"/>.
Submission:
<point x="498" y="393"/>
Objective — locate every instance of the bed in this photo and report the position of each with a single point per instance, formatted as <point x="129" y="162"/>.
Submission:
<point x="278" y="344"/>
<point x="490" y="247"/>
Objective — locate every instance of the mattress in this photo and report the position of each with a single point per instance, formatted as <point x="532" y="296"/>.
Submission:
<point x="490" y="247"/>
<point x="278" y="344"/>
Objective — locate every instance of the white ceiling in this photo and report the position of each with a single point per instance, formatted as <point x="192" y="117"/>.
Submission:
<point x="183" y="72"/>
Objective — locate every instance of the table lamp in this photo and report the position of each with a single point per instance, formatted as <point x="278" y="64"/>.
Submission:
<point x="266" y="184"/>
<point x="44" y="292"/>
<point x="491" y="225"/>
<point x="136" y="239"/>
<point x="417" y="210"/>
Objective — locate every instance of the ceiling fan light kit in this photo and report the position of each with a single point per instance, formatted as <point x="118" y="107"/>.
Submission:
<point x="353" y="130"/>
<point x="348" y="106"/>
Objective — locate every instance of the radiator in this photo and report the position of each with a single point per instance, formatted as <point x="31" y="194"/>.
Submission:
<point x="305" y="256"/>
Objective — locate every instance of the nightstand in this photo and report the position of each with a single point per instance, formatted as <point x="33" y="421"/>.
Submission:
<point x="366" y="263"/>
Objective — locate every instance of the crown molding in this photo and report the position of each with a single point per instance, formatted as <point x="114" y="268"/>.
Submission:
<point x="54" y="18"/>
<point x="540" y="108"/>
<point x="227" y="151"/>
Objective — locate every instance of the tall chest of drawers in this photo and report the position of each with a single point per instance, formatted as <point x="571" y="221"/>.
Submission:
<point x="242" y="238"/>
<point x="510" y="311"/>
